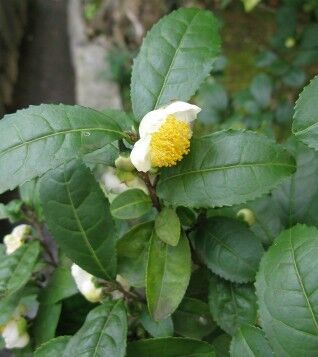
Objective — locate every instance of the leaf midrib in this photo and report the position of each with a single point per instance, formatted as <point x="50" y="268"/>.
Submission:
<point x="173" y="60"/>
<point x="301" y="282"/>
<point x="135" y="203"/>
<point x="225" y="167"/>
<point x="79" y="224"/>
<point x="56" y="133"/>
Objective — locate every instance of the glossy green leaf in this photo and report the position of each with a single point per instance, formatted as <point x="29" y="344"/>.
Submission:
<point x="167" y="226"/>
<point x="229" y="249"/>
<point x="132" y="251"/>
<point x="193" y="319"/>
<point x="250" y="341"/>
<point x="225" y="168"/>
<point x="231" y="305"/>
<point x="78" y="217"/>
<point x="305" y="125"/>
<point x="103" y="333"/>
<point x="39" y="138"/>
<point x="222" y="345"/>
<point x="168" y="274"/>
<point x="162" y="328"/>
<point x="175" y="57"/>
<point x="296" y="193"/>
<point x="170" y="347"/>
<point x="287" y="291"/>
<point x="130" y="204"/>
<point x="46" y="321"/>
<point x="53" y="348"/>
<point x="16" y="269"/>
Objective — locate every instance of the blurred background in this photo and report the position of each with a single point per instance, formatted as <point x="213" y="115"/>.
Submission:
<point x="81" y="51"/>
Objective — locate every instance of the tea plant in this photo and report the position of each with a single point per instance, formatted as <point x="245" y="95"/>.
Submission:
<point x="168" y="243"/>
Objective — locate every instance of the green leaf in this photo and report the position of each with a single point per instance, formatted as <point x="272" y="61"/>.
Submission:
<point x="170" y="347"/>
<point x="132" y="251"/>
<point x="46" y="322"/>
<point x="229" y="249"/>
<point x="261" y="89"/>
<point x="130" y="204"/>
<point x="78" y="216"/>
<point x="225" y="168"/>
<point x="103" y="333"/>
<point x="37" y="139"/>
<point x="175" y="57"/>
<point x="287" y="291"/>
<point x="11" y="211"/>
<point x="222" y="345"/>
<point x="305" y="124"/>
<point x="296" y="193"/>
<point x="193" y="319"/>
<point x="16" y="268"/>
<point x="53" y="348"/>
<point x="61" y="285"/>
<point x="250" y="341"/>
<point x="231" y="305"/>
<point x="168" y="274"/>
<point x="30" y="195"/>
<point x="103" y="156"/>
<point x="162" y="328"/>
<point x="167" y="226"/>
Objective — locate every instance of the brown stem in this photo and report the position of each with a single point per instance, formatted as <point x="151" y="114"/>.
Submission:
<point x="151" y="189"/>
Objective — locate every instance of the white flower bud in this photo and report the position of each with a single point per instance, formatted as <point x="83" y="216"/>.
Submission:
<point x="15" y="334"/>
<point x="14" y="240"/>
<point x="247" y="215"/>
<point x="111" y="182"/>
<point x="86" y="285"/>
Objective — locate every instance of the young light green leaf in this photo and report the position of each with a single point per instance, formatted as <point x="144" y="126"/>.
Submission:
<point x="167" y="226"/>
<point x="175" y="57"/>
<point x="232" y="305"/>
<point x="229" y="249"/>
<point x="53" y="348"/>
<point x="162" y="328"/>
<point x="287" y="282"/>
<point x="104" y="333"/>
<point x="226" y="168"/>
<point x="250" y="341"/>
<point x="168" y="275"/>
<point x="39" y="138"/>
<point x="130" y="204"/>
<point x="78" y="216"/>
<point x="16" y="268"/>
<point x="132" y="251"/>
<point x="171" y="347"/>
<point x="305" y="124"/>
<point x="46" y="321"/>
<point x="193" y="319"/>
<point x="296" y="193"/>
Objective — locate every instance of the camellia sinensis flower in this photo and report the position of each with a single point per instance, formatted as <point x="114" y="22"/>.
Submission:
<point x="85" y="283"/>
<point x="14" y="240"/>
<point x="14" y="333"/>
<point x="165" y="135"/>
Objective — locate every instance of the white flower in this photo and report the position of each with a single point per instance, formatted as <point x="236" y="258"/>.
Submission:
<point x="15" y="334"/>
<point x="85" y="284"/>
<point x="14" y="240"/>
<point x="165" y="135"/>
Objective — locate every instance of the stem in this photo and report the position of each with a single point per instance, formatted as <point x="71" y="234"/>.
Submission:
<point x="151" y="189"/>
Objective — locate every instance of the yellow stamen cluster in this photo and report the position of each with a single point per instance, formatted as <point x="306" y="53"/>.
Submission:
<point x="170" y="143"/>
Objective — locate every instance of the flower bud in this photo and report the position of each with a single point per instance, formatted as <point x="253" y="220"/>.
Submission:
<point x="247" y="215"/>
<point x="290" y="42"/>
<point x="14" y="333"/>
<point x="124" y="163"/>
<point x="17" y="238"/>
<point x="85" y="283"/>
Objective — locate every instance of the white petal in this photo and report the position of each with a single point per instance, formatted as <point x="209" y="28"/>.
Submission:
<point x="111" y="182"/>
<point x="140" y="154"/>
<point x="183" y="111"/>
<point x="151" y="122"/>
